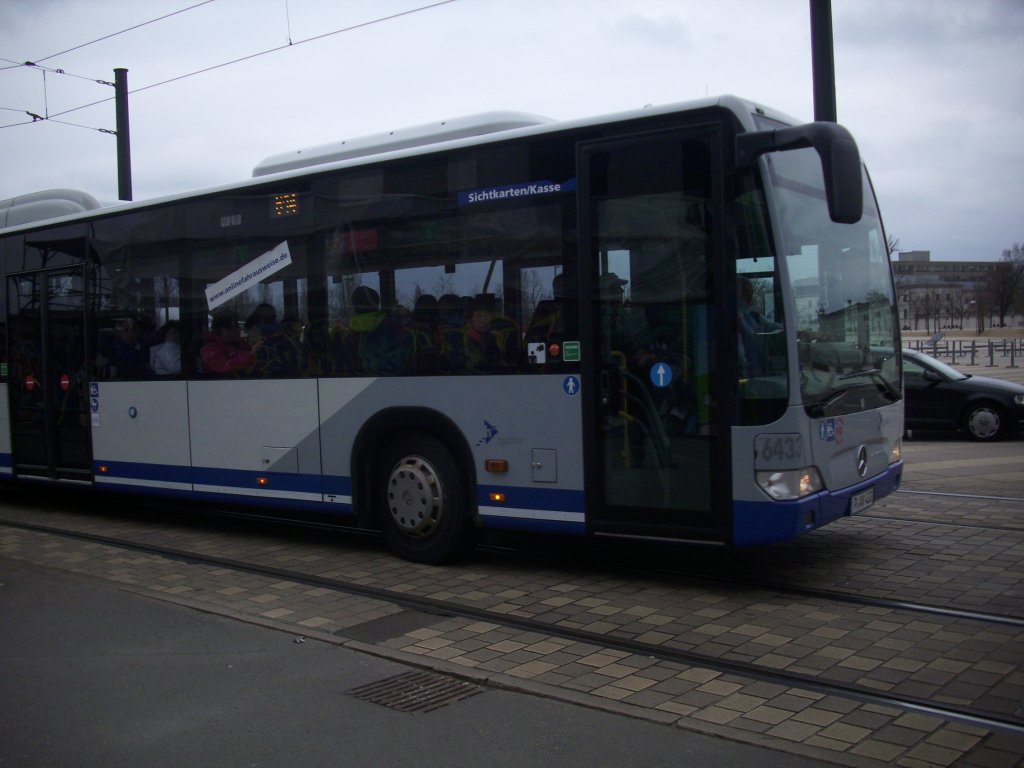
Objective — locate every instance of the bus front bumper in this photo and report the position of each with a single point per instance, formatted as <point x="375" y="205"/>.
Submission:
<point x="756" y="523"/>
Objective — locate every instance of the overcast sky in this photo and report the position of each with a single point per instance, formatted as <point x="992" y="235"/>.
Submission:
<point x="933" y="90"/>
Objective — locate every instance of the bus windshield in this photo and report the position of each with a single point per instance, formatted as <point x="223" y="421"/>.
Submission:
<point x="843" y="295"/>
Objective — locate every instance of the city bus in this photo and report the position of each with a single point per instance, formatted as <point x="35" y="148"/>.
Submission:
<point x="676" y="323"/>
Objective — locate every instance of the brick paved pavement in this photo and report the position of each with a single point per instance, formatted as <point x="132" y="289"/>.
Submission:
<point x="872" y="646"/>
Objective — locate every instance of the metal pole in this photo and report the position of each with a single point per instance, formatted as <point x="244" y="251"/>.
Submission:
<point x="124" y="145"/>
<point x="822" y="62"/>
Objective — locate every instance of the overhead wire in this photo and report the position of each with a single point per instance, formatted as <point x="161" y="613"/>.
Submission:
<point x="293" y="45"/>
<point x="107" y="37"/>
<point x="248" y="57"/>
<point x="46" y="102"/>
<point x="35" y="65"/>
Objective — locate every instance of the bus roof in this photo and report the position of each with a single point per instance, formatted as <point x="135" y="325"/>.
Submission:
<point x="449" y="134"/>
<point x="50" y="204"/>
<point x="403" y="138"/>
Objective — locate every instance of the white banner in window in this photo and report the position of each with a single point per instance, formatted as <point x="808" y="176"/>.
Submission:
<point x="258" y="269"/>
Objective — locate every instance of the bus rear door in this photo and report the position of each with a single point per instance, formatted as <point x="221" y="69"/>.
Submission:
<point x="48" y="383"/>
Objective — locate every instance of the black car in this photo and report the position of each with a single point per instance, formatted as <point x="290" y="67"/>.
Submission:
<point x="938" y="396"/>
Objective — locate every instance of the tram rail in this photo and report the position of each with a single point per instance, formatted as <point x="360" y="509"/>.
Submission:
<point x="843" y="597"/>
<point x="865" y="595"/>
<point x="959" y="510"/>
<point x="984" y="497"/>
<point x="934" y="521"/>
<point x="971" y="714"/>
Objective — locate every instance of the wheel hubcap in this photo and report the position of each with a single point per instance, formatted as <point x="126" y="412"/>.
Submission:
<point x="984" y="423"/>
<point x="414" y="497"/>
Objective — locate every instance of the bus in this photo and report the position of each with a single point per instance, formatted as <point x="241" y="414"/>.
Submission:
<point x="676" y="323"/>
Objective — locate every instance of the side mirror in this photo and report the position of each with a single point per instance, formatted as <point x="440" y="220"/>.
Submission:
<point x="840" y="161"/>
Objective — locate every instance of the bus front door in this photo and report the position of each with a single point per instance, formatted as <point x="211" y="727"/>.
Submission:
<point x="649" y="205"/>
<point x="48" y="382"/>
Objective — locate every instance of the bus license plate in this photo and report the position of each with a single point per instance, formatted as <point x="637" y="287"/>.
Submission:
<point x="861" y="501"/>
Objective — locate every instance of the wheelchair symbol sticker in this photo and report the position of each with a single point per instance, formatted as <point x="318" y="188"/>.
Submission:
<point x="571" y="385"/>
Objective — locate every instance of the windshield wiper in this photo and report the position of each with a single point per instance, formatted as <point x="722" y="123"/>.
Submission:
<point x="819" y="408"/>
<point x="875" y="374"/>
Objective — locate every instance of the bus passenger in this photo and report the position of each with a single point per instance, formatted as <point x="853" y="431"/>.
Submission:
<point x="294" y="331"/>
<point x="421" y="340"/>
<point x="165" y="355"/>
<point x="317" y="353"/>
<point x="372" y="343"/>
<point x="273" y="353"/>
<point x="224" y="350"/>
<point x="122" y="354"/>
<point x="450" y="333"/>
<point x="492" y="340"/>
<point x="293" y="328"/>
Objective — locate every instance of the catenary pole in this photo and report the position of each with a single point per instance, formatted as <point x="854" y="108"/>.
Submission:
<point x="822" y="62"/>
<point x="124" y="146"/>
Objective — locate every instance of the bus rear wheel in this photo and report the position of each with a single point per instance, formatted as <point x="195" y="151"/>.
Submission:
<point x="423" y="500"/>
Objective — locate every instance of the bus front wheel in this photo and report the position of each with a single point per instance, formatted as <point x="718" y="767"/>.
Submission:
<point x="423" y="501"/>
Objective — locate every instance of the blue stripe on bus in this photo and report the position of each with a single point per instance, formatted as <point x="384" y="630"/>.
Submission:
<point x="282" y="490"/>
<point x="547" y="499"/>
<point x="533" y="524"/>
<point x="552" y="510"/>
<point x="538" y="509"/>
<point x="138" y="475"/>
<point x="555" y="499"/>
<point x="338" y="486"/>
<point x="243" y="479"/>
<point x="210" y="476"/>
<point x="130" y="470"/>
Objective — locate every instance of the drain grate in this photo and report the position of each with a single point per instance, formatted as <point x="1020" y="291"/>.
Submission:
<point x="416" y="691"/>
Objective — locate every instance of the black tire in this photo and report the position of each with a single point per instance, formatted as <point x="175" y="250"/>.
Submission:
<point x="984" y="422"/>
<point x="422" y="500"/>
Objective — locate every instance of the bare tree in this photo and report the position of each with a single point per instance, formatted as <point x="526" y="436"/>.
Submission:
<point x="892" y="245"/>
<point x="1015" y="256"/>
<point x="931" y="307"/>
<point x="445" y="283"/>
<point x="1005" y="283"/>
<point x="532" y="292"/>
<point x="960" y="304"/>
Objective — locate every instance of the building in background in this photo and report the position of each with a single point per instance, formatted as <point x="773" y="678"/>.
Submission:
<point x="946" y="295"/>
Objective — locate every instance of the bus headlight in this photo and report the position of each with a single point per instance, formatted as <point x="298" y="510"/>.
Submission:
<point x="897" y="451"/>
<point x="787" y="484"/>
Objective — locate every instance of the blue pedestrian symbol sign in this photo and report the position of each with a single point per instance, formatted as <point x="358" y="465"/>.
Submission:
<point x="571" y="385"/>
<point x="661" y="374"/>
